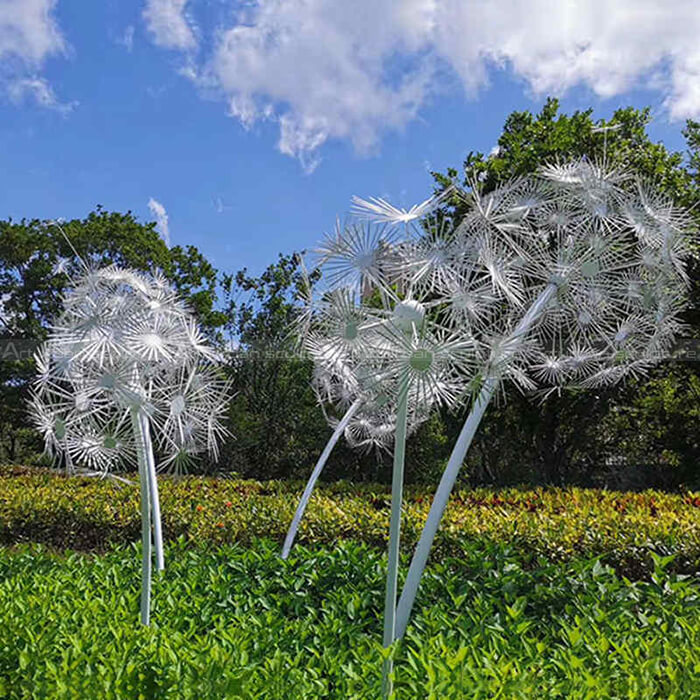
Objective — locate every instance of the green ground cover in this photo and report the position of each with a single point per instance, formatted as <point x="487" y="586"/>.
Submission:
<point x="233" y="621"/>
<point x="556" y="593"/>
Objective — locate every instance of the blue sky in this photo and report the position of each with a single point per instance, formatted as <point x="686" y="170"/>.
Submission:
<point x="252" y="133"/>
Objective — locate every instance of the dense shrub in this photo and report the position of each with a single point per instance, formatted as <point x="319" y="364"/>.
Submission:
<point x="241" y="623"/>
<point x="82" y="513"/>
<point x="655" y="424"/>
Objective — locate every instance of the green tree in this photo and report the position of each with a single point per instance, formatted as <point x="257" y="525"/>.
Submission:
<point x="277" y="425"/>
<point x="36" y="261"/>
<point x="655" y="426"/>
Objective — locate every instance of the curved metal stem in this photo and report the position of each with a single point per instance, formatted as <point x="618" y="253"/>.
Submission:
<point x="146" y="553"/>
<point x="395" y="532"/>
<point x="153" y="490"/>
<point x="301" y="508"/>
<point x="442" y="495"/>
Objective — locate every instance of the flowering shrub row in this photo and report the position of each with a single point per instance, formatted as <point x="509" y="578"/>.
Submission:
<point x="90" y="514"/>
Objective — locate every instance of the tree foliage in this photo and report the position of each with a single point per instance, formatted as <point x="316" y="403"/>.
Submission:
<point x="274" y="416"/>
<point x="645" y="433"/>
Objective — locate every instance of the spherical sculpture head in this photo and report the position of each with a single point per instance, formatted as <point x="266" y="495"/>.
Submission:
<point x="408" y="315"/>
<point x="124" y="343"/>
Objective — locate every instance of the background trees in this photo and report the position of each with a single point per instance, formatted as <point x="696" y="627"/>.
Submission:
<point x="274" y="417"/>
<point x="645" y="433"/>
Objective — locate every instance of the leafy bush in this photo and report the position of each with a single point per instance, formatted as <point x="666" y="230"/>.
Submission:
<point x="81" y="513"/>
<point x="241" y="623"/>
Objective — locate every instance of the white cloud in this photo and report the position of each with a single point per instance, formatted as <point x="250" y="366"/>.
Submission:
<point x="39" y="91"/>
<point x="29" y="35"/>
<point x="127" y="38"/>
<point x="219" y="205"/>
<point x="28" y="31"/>
<point x="168" y="22"/>
<point x="320" y="70"/>
<point x="353" y="70"/>
<point x="161" y="216"/>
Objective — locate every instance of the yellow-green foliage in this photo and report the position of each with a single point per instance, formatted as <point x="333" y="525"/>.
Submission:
<point x="83" y="513"/>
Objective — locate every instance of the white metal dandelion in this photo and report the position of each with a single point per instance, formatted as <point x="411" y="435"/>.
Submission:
<point x="592" y="300"/>
<point x="572" y="277"/>
<point x="379" y="210"/>
<point x="125" y="365"/>
<point x="382" y="350"/>
<point x="347" y="342"/>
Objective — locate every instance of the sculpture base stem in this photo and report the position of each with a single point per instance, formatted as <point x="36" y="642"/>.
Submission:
<point x="146" y="501"/>
<point x="315" y="474"/>
<point x="153" y="490"/>
<point x="146" y="553"/>
<point x="442" y="495"/>
<point x="395" y="533"/>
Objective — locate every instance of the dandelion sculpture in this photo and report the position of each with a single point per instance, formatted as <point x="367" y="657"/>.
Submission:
<point x="599" y="256"/>
<point x="338" y="337"/>
<point x="384" y="353"/>
<point x="125" y="365"/>
<point x="356" y="259"/>
<point x="572" y="277"/>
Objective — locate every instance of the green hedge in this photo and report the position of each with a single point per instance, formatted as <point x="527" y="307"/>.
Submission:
<point x="90" y="514"/>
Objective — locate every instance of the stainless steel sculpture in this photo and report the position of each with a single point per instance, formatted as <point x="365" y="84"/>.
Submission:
<point x="598" y="275"/>
<point x="388" y="352"/>
<point x="572" y="277"/>
<point x="124" y="365"/>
